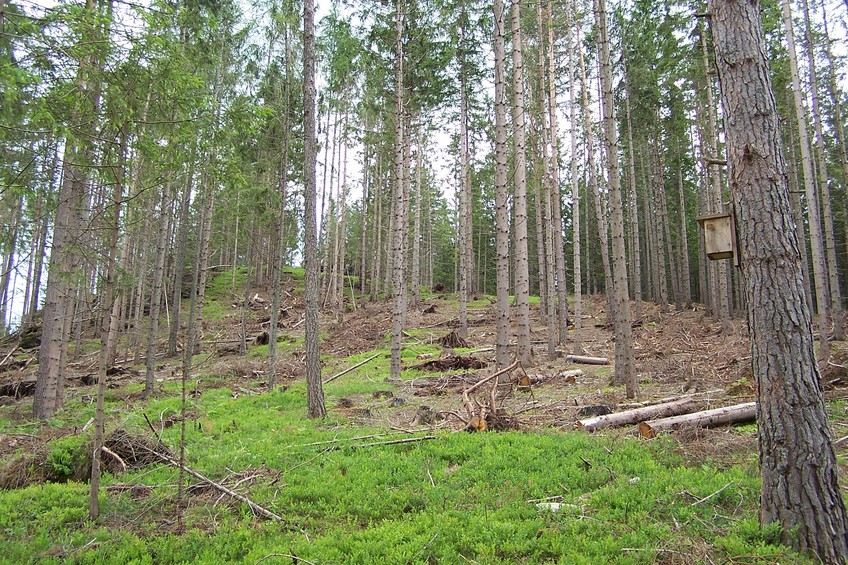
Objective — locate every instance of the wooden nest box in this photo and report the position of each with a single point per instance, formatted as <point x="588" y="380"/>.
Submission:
<point x="719" y="236"/>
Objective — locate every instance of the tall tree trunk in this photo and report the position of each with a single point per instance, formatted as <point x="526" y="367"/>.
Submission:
<point x="814" y="212"/>
<point x="398" y="244"/>
<point x="683" y="246"/>
<point x="625" y="370"/>
<point x="823" y="183"/>
<point x="547" y="187"/>
<point x="502" y="352"/>
<point x="179" y="265"/>
<point x="840" y="318"/>
<point x="156" y="295"/>
<point x="719" y="269"/>
<point x="636" y="276"/>
<point x="464" y="186"/>
<point x="9" y="264"/>
<point x="798" y="214"/>
<point x="279" y="256"/>
<point x="658" y="192"/>
<point x="108" y="324"/>
<point x="416" y="231"/>
<point x="797" y="461"/>
<point x="666" y="249"/>
<point x="61" y="273"/>
<point x="600" y="212"/>
<point x="522" y="269"/>
<point x="314" y="388"/>
<point x="556" y="199"/>
<point x="575" y="188"/>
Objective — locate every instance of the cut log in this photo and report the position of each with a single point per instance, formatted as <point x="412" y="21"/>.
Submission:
<point x="666" y="400"/>
<point x="635" y="415"/>
<point x="736" y="414"/>
<point x="566" y="376"/>
<point x="584" y="360"/>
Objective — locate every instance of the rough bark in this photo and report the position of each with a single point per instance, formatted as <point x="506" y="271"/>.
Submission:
<point x="314" y="389"/>
<point x="797" y="461"/>
<point x="63" y="278"/>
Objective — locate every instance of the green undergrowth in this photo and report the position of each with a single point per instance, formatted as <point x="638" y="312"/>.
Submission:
<point x="455" y="498"/>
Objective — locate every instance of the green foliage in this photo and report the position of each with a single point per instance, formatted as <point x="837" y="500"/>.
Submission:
<point x="68" y="458"/>
<point x="621" y="500"/>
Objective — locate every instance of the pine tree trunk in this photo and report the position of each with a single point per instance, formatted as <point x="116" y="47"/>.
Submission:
<point x="721" y="306"/>
<point x="545" y="153"/>
<point x="797" y="461"/>
<point x="556" y="198"/>
<point x="812" y="193"/>
<point x="840" y="318"/>
<point x="625" y="370"/>
<point x="398" y="244"/>
<point x="8" y="264"/>
<point x="502" y="351"/>
<point x="279" y="256"/>
<point x="824" y="183"/>
<point x="685" y="274"/>
<point x="636" y="277"/>
<point x="57" y="314"/>
<point x="577" y="349"/>
<point x="156" y="295"/>
<point x="108" y="325"/>
<point x="464" y="189"/>
<point x="179" y="266"/>
<point x="416" y="231"/>
<point x="658" y="193"/>
<point x="600" y="213"/>
<point x="522" y="269"/>
<point x="314" y="387"/>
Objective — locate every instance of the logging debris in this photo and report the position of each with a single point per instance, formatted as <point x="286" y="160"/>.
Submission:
<point x="487" y="415"/>
<point x="451" y="363"/>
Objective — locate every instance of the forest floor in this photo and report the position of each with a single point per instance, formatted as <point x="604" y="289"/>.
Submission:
<point x="231" y="437"/>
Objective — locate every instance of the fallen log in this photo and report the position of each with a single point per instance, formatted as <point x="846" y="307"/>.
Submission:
<point x="585" y="360"/>
<point x="736" y="414"/>
<point x="667" y="399"/>
<point x="635" y="415"/>
<point x="566" y="376"/>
